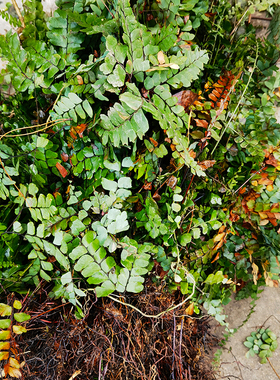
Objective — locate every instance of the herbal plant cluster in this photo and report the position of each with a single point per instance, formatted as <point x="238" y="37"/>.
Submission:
<point x="261" y="342"/>
<point x="140" y="141"/>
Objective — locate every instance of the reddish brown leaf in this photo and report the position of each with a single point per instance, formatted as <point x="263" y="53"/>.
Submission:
<point x="80" y="129"/>
<point x="192" y="153"/>
<point x="210" y="14"/>
<point x="153" y="141"/>
<point x="265" y="181"/>
<point x="80" y="79"/>
<point x="147" y="185"/>
<point x="159" y="270"/>
<point x="201" y="123"/>
<point x="61" y="170"/>
<point x="156" y="196"/>
<point x="172" y="182"/>
<point x="222" y="229"/>
<point x="213" y="97"/>
<point x="216" y="258"/>
<point x="221" y="90"/>
<point x="273" y="222"/>
<point x="206" y="164"/>
<point x="73" y="134"/>
<point x="64" y="157"/>
<point x="234" y="217"/>
<point x="220" y="244"/>
<point x="272" y="161"/>
<point x="186" y="98"/>
<point x="145" y="93"/>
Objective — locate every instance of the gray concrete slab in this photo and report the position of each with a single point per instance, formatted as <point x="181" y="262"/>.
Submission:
<point x="233" y="363"/>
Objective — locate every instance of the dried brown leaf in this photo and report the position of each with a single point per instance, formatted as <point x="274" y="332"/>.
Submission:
<point x="160" y="58"/>
<point x="172" y="182"/>
<point x="186" y="98"/>
<point x="206" y="164"/>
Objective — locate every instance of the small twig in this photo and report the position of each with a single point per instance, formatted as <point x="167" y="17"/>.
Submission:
<point x="18" y="13"/>
<point x="269" y="318"/>
<point x="180" y="347"/>
<point x="239" y="22"/>
<point x="99" y="368"/>
<point x="237" y="362"/>
<point x="75" y="374"/>
<point x="273" y="368"/>
<point x="261" y="18"/>
<point x="48" y="311"/>
<point x="188" y="189"/>
<point x="240" y="187"/>
<point x="174" y="346"/>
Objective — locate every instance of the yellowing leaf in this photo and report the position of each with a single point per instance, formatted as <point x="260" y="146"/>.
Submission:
<point x="4" y="355"/>
<point x="190" y="309"/>
<point x="219" y="237"/>
<point x="255" y="273"/>
<point x="263" y="215"/>
<point x="4" y="335"/>
<point x="269" y="187"/>
<point x="14" y="372"/>
<point x="19" y="329"/>
<point x="171" y="65"/>
<point x="160" y="58"/>
<point x="277" y="215"/>
<point x="4" y="345"/>
<point x="264" y="222"/>
<point x="80" y="79"/>
<point x="5" y="310"/>
<point x="14" y="363"/>
<point x="255" y="183"/>
<point x="17" y="304"/>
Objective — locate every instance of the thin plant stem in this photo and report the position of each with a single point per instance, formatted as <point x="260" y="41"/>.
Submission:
<point x="240" y="100"/>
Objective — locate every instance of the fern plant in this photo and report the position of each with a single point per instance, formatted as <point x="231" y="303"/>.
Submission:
<point x="107" y="145"/>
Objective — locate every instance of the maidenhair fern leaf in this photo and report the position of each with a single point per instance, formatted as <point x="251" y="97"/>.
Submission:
<point x="64" y="33"/>
<point x="72" y="106"/>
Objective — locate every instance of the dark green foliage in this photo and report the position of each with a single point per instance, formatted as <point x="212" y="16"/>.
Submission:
<point x="124" y="152"/>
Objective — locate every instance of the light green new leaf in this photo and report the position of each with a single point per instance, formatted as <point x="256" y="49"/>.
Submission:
<point x="42" y="142"/>
<point x="21" y="317"/>
<point x="87" y="108"/>
<point x="109" y="185"/>
<point x="134" y="102"/>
